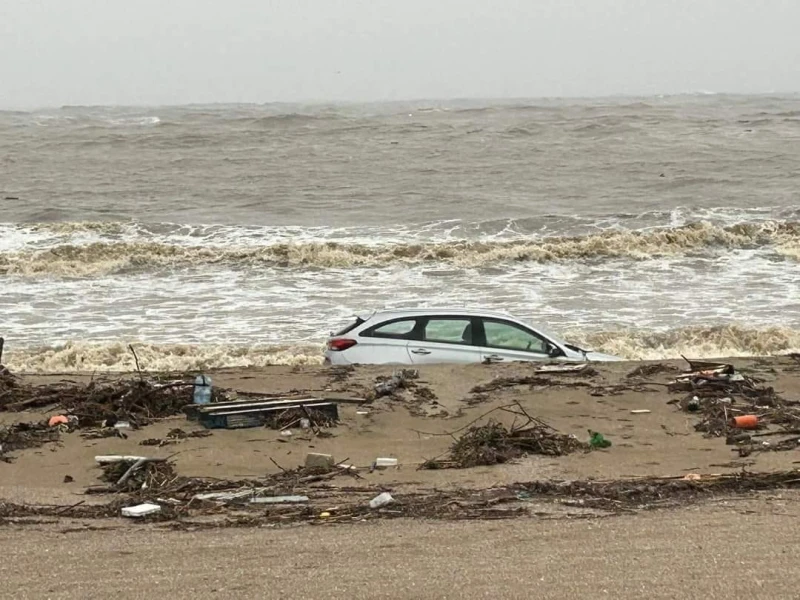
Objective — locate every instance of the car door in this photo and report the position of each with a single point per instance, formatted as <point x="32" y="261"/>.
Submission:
<point x="384" y="343"/>
<point x="504" y="341"/>
<point x="444" y="339"/>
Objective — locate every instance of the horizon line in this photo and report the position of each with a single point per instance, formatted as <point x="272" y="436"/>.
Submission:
<point x="422" y="99"/>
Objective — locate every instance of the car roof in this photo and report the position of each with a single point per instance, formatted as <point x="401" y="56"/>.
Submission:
<point x="398" y="313"/>
<point x="413" y="312"/>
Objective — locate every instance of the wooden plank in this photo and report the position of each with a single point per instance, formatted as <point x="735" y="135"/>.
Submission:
<point x="113" y="458"/>
<point x="215" y="406"/>
<point x="246" y="403"/>
<point x="263" y="409"/>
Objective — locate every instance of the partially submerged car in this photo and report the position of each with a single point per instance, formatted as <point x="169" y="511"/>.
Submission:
<point x="425" y="336"/>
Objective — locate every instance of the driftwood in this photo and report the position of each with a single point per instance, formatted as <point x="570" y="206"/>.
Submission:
<point x="493" y="443"/>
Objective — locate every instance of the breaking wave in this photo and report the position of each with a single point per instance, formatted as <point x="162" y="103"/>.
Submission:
<point x="116" y="357"/>
<point x="101" y="258"/>
<point x="790" y="249"/>
<point x="694" y="342"/>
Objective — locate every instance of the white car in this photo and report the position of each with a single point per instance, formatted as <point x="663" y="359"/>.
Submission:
<point x="418" y="337"/>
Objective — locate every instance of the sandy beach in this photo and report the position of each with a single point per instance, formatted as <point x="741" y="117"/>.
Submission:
<point x="541" y="548"/>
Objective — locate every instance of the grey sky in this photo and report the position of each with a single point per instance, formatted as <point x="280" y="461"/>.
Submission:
<point x="55" y="52"/>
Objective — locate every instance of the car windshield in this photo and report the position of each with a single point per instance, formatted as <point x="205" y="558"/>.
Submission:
<point x="550" y="335"/>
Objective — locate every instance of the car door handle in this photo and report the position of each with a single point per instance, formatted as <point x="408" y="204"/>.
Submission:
<point x="494" y="357"/>
<point x="420" y="351"/>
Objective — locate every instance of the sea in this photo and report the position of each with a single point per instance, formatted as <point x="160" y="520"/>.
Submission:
<point x="211" y="236"/>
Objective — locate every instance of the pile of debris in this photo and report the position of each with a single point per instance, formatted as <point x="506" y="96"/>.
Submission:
<point x="137" y="400"/>
<point x="132" y="473"/>
<point x="493" y="443"/>
<point x="734" y="406"/>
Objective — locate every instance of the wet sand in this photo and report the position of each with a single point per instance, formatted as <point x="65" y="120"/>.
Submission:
<point x="686" y="552"/>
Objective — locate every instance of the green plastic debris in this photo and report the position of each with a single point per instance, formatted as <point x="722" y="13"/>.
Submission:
<point x="597" y="440"/>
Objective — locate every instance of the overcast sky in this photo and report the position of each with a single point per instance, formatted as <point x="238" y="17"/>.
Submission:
<point x="56" y="52"/>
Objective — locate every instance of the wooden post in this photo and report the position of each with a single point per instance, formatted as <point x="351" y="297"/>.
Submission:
<point x="2" y="341"/>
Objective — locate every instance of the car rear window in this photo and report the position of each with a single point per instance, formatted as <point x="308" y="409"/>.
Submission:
<point x="350" y="327"/>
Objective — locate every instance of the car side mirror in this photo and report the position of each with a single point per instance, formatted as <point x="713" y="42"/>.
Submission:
<point x="553" y="350"/>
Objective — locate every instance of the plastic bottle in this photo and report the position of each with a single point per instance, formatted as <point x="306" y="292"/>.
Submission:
<point x="202" y="390"/>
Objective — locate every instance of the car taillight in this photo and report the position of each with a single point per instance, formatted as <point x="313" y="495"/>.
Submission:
<point x="341" y="344"/>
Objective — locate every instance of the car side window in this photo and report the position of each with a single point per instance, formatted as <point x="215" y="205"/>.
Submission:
<point x="395" y="329"/>
<point x="449" y="331"/>
<point x="508" y="336"/>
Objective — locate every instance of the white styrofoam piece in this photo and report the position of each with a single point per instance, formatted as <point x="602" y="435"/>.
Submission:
<point x="141" y="510"/>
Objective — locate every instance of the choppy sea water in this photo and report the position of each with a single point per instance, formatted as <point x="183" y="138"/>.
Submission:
<point x="217" y="236"/>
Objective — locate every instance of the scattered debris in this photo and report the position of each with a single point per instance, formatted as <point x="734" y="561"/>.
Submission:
<point x="583" y="369"/>
<point x="383" y="463"/>
<point x="618" y="390"/>
<point x="22" y="436"/>
<point x="499" y="383"/>
<point x="728" y="402"/>
<point x="340" y="373"/>
<point x="387" y="386"/>
<point x="98" y="433"/>
<point x="405" y="385"/>
<point x="640" y="411"/>
<point x="650" y="370"/>
<point x="179" y="504"/>
<point x="174" y="436"/>
<point x="313" y="418"/>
